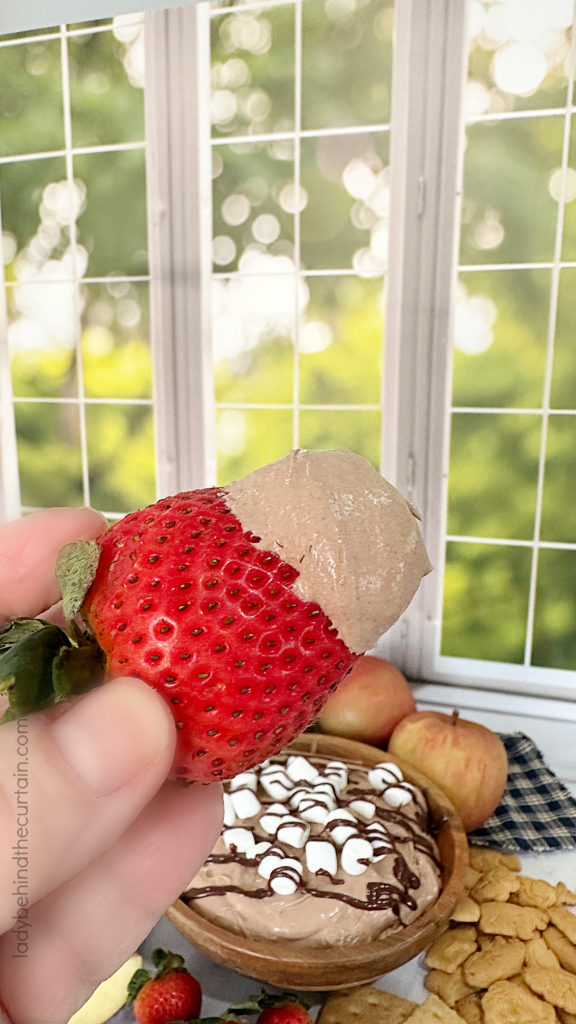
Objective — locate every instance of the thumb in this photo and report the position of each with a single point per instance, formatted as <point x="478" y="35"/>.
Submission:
<point x="72" y="782"/>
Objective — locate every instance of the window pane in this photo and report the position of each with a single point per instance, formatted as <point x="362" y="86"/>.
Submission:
<point x="518" y="55"/>
<point x="558" y="514"/>
<point x="120" y="456"/>
<point x="31" y="107"/>
<point x="49" y="456"/>
<point x="493" y="475"/>
<point x="346" y="63"/>
<point x="563" y="395"/>
<point x="252" y="212"/>
<point x="253" y="331"/>
<point x="42" y="333"/>
<point x="508" y="213"/>
<point x="37" y="205"/>
<point x="340" y="341"/>
<point x="248" y="438"/>
<point x="345" y="221"/>
<point x="112" y="228"/>
<point x="500" y="336"/>
<point x="486" y="601"/>
<point x="348" y="428"/>
<point x="554" y="634"/>
<point x="106" y="87"/>
<point x="116" y="359"/>
<point x="253" y="71"/>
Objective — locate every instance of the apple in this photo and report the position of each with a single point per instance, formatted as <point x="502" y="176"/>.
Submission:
<point x="466" y="760"/>
<point x="368" y="703"/>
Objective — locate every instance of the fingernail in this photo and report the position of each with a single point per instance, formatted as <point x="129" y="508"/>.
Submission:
<point x="114" y="733"/>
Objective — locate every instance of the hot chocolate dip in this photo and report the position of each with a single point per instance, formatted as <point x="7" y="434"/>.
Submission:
<point x="319" y="852"/>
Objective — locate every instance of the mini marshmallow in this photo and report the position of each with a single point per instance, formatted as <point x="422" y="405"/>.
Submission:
<point x="245" y="803"/>
<point x="272" y="817"/>
<point x="241" y="838"/>
<point x="382" y="843"/>
<point x="269" y="861"/>
<point x="314" y="809"/>
<point x="293" y="832"/>
<point x="328" y="790"/>
<point x="337" y="772"/>
<point x="385" y="774"/>
<point x="354" y="852"/>
<point x="397" y="796"/>
<point x="340" y="833"/>
<point x="276" y="783"/>
<point x="286" y="876"/>
<point x="363" y="809"/>
<point x="229" y="814"/>
<point x="321" y="856"/>
<point x="245" y="780"/>
<point x="257" y="850"/>
<point x="300" y="768"/>
<point x="299" y="794"/>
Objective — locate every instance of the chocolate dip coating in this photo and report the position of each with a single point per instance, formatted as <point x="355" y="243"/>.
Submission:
<point x="326" y="908"/>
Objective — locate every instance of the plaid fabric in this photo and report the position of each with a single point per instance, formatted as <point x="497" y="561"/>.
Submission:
<point x="537" y="813"/>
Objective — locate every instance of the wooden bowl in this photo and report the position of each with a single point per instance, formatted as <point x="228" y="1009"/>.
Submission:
<point x="308" y="967"/>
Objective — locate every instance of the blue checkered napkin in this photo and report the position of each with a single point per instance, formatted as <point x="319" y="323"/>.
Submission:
<point x="537" y="813"/>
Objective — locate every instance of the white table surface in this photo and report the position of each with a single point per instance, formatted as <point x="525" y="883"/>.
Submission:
<point x="222" y="987"/>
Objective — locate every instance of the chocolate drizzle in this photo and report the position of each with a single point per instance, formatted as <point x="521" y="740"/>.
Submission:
<point x="388" y="832"/>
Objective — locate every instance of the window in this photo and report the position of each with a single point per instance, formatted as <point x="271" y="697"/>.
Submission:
<point x="73" y="200"/>
<point x="335" y="139"/>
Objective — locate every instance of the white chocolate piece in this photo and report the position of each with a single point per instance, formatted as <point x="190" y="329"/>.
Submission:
<point x="397" y="796"/>
<point x="270" y="861"/>
<point x="245" y="803"/>
<point x="354" y="852"/>
<point x="292" y="831"/>
<point x="286" y="877"/>
<point x="300" y="768"/>
<point x="321" y="856"/>
<point x="363" y="809"/>
<point x="241" y="838"/>
<point x="245" y="780"/>
<point x="229" y="814"/>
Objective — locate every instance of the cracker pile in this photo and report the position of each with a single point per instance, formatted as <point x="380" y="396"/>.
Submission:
<point x="507" y="957"/>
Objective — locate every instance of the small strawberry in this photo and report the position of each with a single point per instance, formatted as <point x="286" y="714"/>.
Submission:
<point x="285" y="1013"/>
<point x="171" y="995"/>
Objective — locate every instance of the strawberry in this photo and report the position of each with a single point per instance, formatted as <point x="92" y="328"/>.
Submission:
<point x="184" y="599"/>
<point x="285" y="1013"/>
<point x="171" y="995"/>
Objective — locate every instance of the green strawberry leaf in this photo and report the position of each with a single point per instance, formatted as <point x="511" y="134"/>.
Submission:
<point x="137" y="981"/>
<point x="19" y="629"/>
<point x="166" y="962"/>
<point x="26" y="670"/>
<point x="75" y="571"/>
<point x="254" y="1004"/>
<point x="40" y="665"/>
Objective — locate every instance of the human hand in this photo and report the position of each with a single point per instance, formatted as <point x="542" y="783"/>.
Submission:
<point x="93" y="846"/>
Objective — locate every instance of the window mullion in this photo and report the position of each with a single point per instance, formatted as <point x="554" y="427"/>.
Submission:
<point x="179" y="226"/>
<point x="426" y="152"/>
<point x="9" y="476"/>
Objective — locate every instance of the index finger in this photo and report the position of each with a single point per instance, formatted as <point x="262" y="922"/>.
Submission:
<point x="28" y="551"/>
